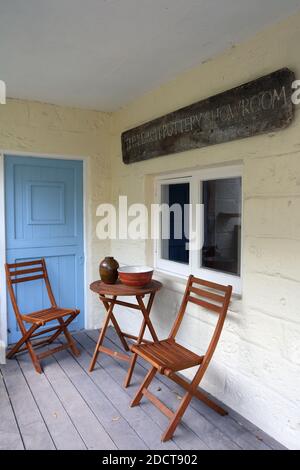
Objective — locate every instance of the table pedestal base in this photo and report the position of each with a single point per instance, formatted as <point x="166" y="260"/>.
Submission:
<point x="109" y="303"/>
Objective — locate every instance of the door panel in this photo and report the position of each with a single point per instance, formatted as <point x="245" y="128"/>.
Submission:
<point x="44" y="218"/>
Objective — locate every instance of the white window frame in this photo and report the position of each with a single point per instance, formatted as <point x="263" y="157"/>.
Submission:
<point x="195" y="179"/>
<point x="159" y="262"/>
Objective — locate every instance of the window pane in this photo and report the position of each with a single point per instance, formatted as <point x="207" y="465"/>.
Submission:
<point x="174" y="224"/>
<point x="222" y="225"/>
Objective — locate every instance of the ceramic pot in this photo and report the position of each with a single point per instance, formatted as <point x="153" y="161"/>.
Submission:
<point x="108" y="270"/>
<point x="137" y="276"/>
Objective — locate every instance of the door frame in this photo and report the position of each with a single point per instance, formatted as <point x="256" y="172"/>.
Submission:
<point x="3" y="289"/>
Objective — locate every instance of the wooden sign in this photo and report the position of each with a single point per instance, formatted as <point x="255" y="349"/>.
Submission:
<point x="263" y="105"/>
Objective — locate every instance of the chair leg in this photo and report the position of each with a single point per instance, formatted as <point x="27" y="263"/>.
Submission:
<point x="25" y="339"/>
<point x="197" y="393"/>
<point x="64" y="324"/>
<point x="148" y="379"/>
<point x="17" y="346"/>
<point x="33" y="356"/>
<point x="69" y="338"/>
<point x="168" y="434"/>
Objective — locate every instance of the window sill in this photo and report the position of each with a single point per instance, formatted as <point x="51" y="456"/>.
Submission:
<point x="177" y="283"/>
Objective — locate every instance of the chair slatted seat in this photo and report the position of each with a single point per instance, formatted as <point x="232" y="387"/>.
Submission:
<point x="49" y="314"/>
<point x="169" y="357"/>
<point x="31" y="271"/>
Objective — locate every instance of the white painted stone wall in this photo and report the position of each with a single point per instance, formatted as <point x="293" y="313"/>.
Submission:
<point x="256" y="368"/>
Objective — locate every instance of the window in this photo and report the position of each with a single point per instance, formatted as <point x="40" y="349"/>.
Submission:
<point x="222" y="225"/>
<point x="217" y="256"/>
<point x="174" y="248"/>
<point x="174" y="225"/>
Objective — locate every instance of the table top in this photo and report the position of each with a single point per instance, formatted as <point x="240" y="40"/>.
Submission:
<point x="120" y="289"/>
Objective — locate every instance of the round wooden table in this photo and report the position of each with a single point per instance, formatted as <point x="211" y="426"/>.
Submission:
<point x="121" y="290"/>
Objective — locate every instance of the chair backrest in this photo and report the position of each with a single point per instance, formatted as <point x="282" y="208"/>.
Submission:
<point x="24" y="272"/>
<point x="211" y="296"/>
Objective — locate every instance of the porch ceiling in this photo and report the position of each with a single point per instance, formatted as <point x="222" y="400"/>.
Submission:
<point x="102" y="54"/>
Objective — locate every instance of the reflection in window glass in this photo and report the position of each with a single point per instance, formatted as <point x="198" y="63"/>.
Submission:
<point x="222" y="225"/>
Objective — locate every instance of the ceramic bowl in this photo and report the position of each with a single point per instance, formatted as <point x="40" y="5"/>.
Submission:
<point x="136" y="276"/>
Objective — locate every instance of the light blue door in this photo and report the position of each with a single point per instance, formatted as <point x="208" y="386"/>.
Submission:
<point x="44" y="218"/>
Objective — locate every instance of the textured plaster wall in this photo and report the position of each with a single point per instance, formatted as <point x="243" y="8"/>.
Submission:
<point x="256" y="369"/>
<point x="48" y="129"/>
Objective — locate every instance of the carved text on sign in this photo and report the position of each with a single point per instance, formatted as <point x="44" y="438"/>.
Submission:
<point x="260" y="106"/>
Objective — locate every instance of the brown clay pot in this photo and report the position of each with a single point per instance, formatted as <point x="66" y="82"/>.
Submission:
<point x="108" y="270"/>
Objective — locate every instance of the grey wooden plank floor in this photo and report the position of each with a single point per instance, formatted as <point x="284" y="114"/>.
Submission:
<point x="69" y="408"/>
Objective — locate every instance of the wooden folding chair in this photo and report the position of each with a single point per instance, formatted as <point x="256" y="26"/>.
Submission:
<point x="168" y="357"/>
<point x="31" y="271"/>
